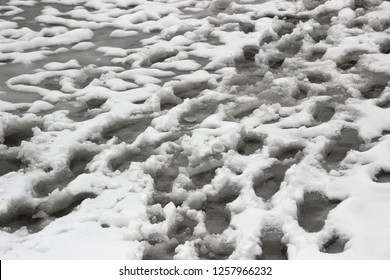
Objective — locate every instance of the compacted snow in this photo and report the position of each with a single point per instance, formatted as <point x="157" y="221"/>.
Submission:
<point x="185" y="129"/>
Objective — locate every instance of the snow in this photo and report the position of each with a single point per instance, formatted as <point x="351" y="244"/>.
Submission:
<point x="192" y="129"/>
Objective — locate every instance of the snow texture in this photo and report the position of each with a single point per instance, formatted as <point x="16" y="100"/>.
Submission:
<point x="182" y="129"/>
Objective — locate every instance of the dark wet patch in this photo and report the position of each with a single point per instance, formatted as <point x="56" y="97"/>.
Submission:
<point x="248" y="75"/>
<point x="160" y="251"/>
<point x="316" y="54"/>
<point x="268" y="183"/>
<point x="319" y="33"/>
<point x="123" y="161"/>
<point x="249" y="145"/>
<point x="380" y="26"/>
<point x="288" y="153"/>
<point x="266" y="40"/>
<point x="385" y="47"/>
<point x="15" y="137"/>
<point x="163" y="198"/>
<point x="246" y="27"/>
<point x="302" y="92"/>
<point x="215" y="248"/>
<point x="164" y="178"/>
<point x="60" y="179"/>
<point x="79" y="162"/>
<point x="129" y="130"/>
<point x="217" y="216"/>
<point x="85" y="111"/>
<point x="373" y="90"/>
<point x="33" y="225"/>
<point x="382" y="177"/>
<point x="238" y="112"/>
<point x="285" y="28"/>
<point x="66" y="206"/>
<point x="291" y="47"/>
<point x="51" y="83"/>
<point x="203" y="178"/>
<point x="217" y="219"/>
<point x="317" y="77"/>
<point x="272" y="246"/>
<point x="311" y="5"/>
<point x="324" y="16"/>
<point x="275" y="62"/>
<point x="323" y="112"/>
<point x="189" y="90"/>
<point x="250" y="52"/>
<point x="6" y="60"/>
<point x="314" y="210"/>
<point x="20" y="213"/>
<point x="56" y="180"/>
<point x="347" y="64"/>
<point x="10" y="164"/>
<point x="167" y="105"/>
<point x="347" y="140"/>
<point x="95" y="102"/>
<point x="184" y="228"/>
<point x="335" y="245"/>
<point x="198" y="113"/>
<point x="350" y="60"/>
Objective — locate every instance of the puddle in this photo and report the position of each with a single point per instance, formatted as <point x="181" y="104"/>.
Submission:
<point x="323" y="113"/>
<point x="57" y="181"/>
<point x="250" y="52"/>
<point x="203" y="178"/>
<point x="216" y="248"/>
<point x="184" y="228"/>
<point x="385" y="47"/>
<point x="382" y="177"/>
<point x="127" y="131"/>
<point x="335" y="245"/>
<point x="65" y="207"/>
<point x="350" y="60"/>
<point x="286" y="28"/>
<point x="249" y="145"/>
<point x="303" y="91"/>
<point x="163" y="198"/>
<point x="123" y="162"/>
<point x="317" y="78"/>
<point x="288" y="153"/>
<point x="160" y="251"/>
<point x="217" y="216"/>
<point x="198" y="113"/>
<point x="16" y="137"/>
<point x="189" y="89"/>
<point x="373" y="90"/>
<point x="8" y="165"/>
<point x="314" y="210"/>
<point x="272" y="246"/>
<point x="246" y="27"/>
<point x="267" y="185"/>
<point x="348" y="140"/>
<point x="276" y="62"/>
<point x="317" y="54"/>
<point x="320" y="33"/>
<point x="78" y="163"/>
<point x="164" y="178"/>
<point x="217" y="219"/>
<point x="290" y="47"/>
<point x="33" y="225"/>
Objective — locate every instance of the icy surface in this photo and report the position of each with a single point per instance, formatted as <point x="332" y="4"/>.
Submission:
<point x="182" y="129"/>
